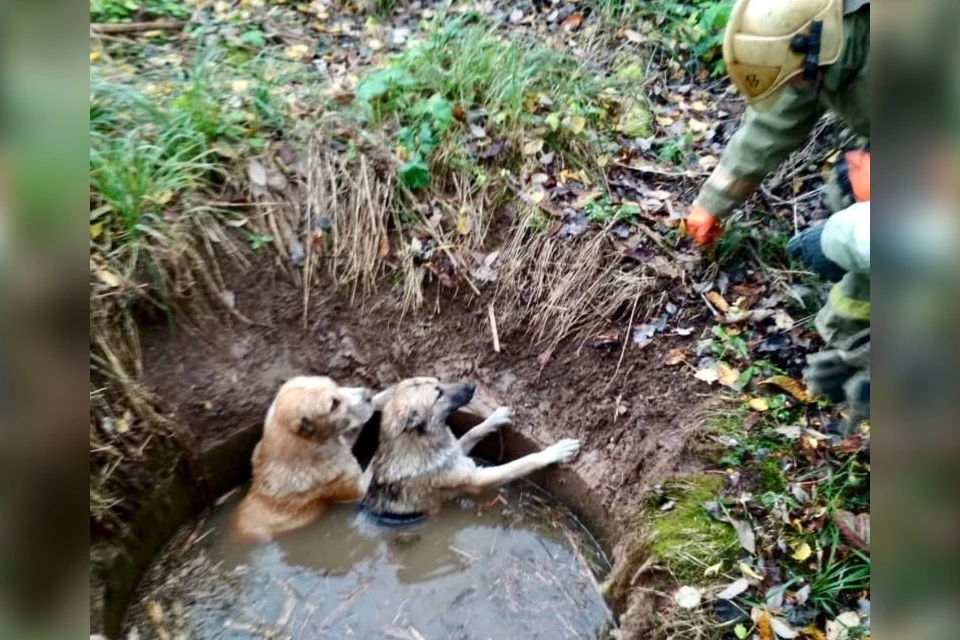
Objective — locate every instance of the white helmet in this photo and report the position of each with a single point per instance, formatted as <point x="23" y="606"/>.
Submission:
<point x="769" y="42"/>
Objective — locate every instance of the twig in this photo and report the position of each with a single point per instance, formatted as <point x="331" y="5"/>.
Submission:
<point x="493" y="328"/>
<point x="133" y="27"/>
<point x="693" y="175"/>
<point x="716" y="314"/>
<point x="626" y="341"/>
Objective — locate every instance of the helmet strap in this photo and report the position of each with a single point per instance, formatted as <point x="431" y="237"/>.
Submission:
<point x="809" y="46"/>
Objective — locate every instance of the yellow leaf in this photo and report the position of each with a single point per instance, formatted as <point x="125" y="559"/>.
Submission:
<point x="697" y="126"/>
<point x="537" y="196"/>
<point x="108" y="277"/>
<point x="791" y="386"/>
<point x="463" y="223"/>
<point x="296" y="51"/>
<point x="802" y="552"/>
<point x="94" y="56"/>
<point x="576" y="124"/>
<point x="717" y="301"/>
<point x="239" y="86"/>
<point x="585" y="198"/>
<point x="153" y="33"/>
<point x="713" y="569"/>
<point x="602" y="161"/>
<point x="164" y="197"/>
<point x="96" y="230"/>
<point x="698" y="106"/>
<point x="764" y="628"/>
<point x="727" y="375"/>
<point x="748" y="572"/>
<point x="664" y="121"/>
<point x="532" y="147"/>
<point x="759" y="404"/>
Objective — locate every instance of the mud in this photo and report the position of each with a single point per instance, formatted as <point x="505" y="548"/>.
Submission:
<point x="633" y="425"/>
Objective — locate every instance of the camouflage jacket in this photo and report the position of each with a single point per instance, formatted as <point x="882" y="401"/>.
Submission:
<point x="764" y="140"/>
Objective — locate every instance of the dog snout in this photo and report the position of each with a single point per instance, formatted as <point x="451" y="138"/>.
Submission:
<point x="462" y="394"/>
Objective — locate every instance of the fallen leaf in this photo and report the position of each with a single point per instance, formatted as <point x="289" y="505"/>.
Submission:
<point x="572" y="21"/>
<point x="728" y="376"/>
<point x="740" y="631"/>
<point x="108" y="277"/>
<point x="708" y="375"/>
<point x="707" y="162"/>
<point x="675" y="357"/>
<point x="854" y="529"/>
<point x="296" y="51"/>
<point x="239" y="86"/>
<point x="532" y="147"/>
<point x="839" y="629"/>
<point x="748" y="571"/>
<point x="576" y="124"/>
<point x="634" y="37"/>
<point x="802" y="552"/>
<point x="688" y="597"/>
<point x="734" y="589"/>
<point x="762" y="621"/>
<point x="759" y="404"/>
<point x="718" y="302"/>
<point x="790" y="433"/>
<point x="463" y="223"/>
<point x="802" y="595"/>
<point x="791" y="386"/>
<point x="812" y="633"/>
<point x="748" y="540"/>
<point x="783" y="321"/>
<point x="257" y="174"/>
<point x="585" y="198"/>
<point x="782" y="628"/>
<point x="383" y="250"/>
<point x="94" y="56"/>
<point x="714" y="569"/>
<point x="96" y="230"/>
<point x="697" y="126"/>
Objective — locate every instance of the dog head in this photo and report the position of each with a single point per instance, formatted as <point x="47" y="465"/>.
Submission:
<point x="318" y="409"/>
<point x="420" y="405"/>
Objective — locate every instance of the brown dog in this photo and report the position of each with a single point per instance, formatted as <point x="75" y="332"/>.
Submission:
<point x="303" y="461"/>
<point x="419" y="463"/>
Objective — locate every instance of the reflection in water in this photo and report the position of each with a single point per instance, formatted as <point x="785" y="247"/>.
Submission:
<point x="498" y="568"/>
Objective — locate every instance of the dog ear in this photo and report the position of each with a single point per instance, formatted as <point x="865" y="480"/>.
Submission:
<point x="381" y="399"/>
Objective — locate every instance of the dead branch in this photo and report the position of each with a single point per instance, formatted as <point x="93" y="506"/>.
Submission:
<point x="135" y="27"/>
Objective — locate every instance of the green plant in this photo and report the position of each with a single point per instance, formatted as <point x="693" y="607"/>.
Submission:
<point x="602" y="211"/>
<point x="461" y="66"/>
<point x="126" y="10"/>
<point x="148" y="151"/>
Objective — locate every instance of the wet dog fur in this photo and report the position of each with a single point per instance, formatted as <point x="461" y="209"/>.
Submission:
<point x="303" y="461"/>
<point x="419" y="463"/>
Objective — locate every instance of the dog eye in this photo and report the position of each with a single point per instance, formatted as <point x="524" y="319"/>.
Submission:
<point x="334" y="404"/>
<point x="439" y="392"/>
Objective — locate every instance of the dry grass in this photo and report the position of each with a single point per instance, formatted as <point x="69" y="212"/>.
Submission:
<point x="568" y="288"/>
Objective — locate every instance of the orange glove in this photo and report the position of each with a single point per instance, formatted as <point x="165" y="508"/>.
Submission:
<point x="702" y="226"/>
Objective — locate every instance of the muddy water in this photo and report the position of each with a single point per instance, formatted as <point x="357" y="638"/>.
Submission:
<point x="509" y="565"/>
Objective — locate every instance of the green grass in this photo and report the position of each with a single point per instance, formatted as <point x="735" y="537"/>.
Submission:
<point x="154" y="146"/>
<point x="697" y="26"/>
<point x="463" y="67"/>
<point x="128" y="10"/>
<point x="687" y="539"/>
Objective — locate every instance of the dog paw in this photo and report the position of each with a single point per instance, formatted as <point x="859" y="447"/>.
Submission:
<point x="500" y="417"/>
<point x="563" y="451"/>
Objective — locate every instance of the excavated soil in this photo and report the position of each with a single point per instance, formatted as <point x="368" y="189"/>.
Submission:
<point x="633" y="429"/>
